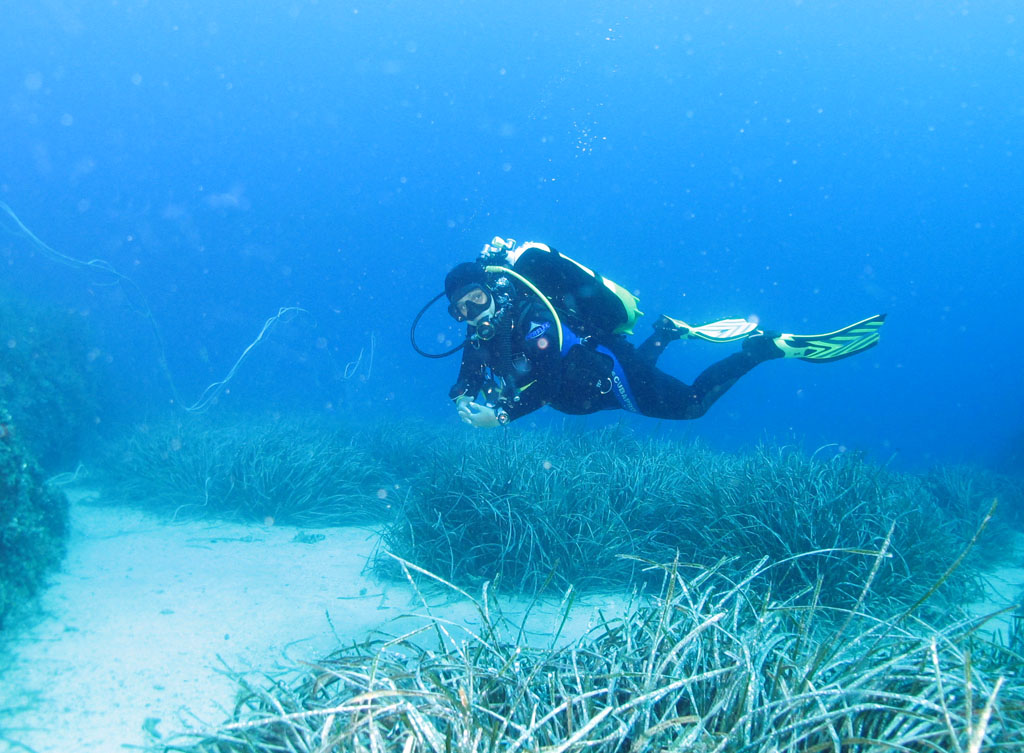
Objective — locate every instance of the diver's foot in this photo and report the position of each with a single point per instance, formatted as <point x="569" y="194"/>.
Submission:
<point x="670" y="329"/>
<point x="761" y="345"/>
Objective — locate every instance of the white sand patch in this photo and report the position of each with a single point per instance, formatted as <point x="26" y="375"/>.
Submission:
<point x="1005" y="586"/>
<point x="145" y="613"/>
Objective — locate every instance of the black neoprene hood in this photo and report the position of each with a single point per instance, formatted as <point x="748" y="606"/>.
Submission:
<point x="463" y="276"/>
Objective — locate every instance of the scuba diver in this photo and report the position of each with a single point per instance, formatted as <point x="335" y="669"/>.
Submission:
<point x="543" y="329"/>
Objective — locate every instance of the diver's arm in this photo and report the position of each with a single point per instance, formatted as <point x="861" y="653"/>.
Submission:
<point x="467" y="388"/>
<point x="471" y="374"/>
<point x="527" y="401"/>
<point x="536" y="337"/>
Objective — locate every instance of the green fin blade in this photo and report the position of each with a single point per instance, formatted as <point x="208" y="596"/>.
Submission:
<point x="833" y="346"/>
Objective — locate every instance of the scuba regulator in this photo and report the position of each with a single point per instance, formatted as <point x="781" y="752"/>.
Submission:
<point x="501" y="293"/>
<point x="499" y="290"/>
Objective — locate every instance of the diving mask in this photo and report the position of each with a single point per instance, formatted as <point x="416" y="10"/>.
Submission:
<point x="472" y="306"/>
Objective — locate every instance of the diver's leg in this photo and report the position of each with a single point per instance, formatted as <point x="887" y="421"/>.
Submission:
<point x="665" y="331"/>
<point x="650" y="350"/>
<point x="662" y="396"/>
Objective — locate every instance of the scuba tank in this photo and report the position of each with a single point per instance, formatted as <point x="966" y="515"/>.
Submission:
<point x="589" y="303"/>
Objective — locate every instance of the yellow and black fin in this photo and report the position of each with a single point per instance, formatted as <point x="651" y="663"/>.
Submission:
<point x="832" y="346"/>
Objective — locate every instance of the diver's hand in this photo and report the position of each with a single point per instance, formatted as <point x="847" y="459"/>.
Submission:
<point x="474" y="414"/>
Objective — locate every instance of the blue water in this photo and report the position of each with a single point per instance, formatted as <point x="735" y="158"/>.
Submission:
<point x="808" y="163"/>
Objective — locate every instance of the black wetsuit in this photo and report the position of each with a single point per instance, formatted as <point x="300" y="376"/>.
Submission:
<point x="599" y="373"/>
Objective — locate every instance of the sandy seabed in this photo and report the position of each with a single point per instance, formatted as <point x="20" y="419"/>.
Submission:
<point x="138" y="633"/>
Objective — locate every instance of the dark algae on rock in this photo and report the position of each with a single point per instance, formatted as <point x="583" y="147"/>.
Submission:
<point x="33" y="522"/>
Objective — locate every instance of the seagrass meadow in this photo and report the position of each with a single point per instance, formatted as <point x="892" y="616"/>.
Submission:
<point x="705" y="664"/>
<point x="292" y="471"/>
<point x="781" y="600"/>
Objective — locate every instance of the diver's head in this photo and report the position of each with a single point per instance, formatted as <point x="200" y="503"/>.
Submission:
<point x="470" y="300"/>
